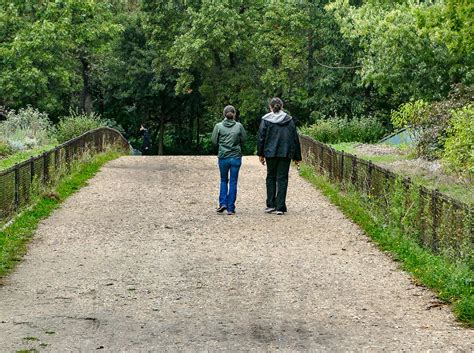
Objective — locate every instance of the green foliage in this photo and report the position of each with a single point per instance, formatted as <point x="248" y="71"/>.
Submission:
<point x="430" y="122"/>
<point x="409" y="114"/>
<point x="410" y="50"/>
<point x="175" y="65"/>
<point x="5" y="149"/>
<point x="337" y="130"/>
<point x="77" y="124"/>
<point x="50" y="51"/>
<point x="26" y="129"/>
<point x="16" y="157"/>
<point x="458" y="153"/>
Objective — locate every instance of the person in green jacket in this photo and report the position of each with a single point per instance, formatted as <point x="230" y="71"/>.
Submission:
<point x="229" y="135"/>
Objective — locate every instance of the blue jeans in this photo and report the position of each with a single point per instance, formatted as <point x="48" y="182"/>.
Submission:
<point x="228" y="190"/>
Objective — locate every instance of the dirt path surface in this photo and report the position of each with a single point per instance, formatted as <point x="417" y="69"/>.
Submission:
<point x="139" y="261"/>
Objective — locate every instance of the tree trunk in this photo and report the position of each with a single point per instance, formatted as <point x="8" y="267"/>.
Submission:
<point x="191" y="131"/>
<point x="310" y="58"/>
<point x="198" y="140"/>
<point x="161" y="135"/>
<point x="86" y="99"/>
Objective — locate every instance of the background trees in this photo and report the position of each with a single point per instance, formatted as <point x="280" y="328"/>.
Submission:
<point x="176" y="64"/>
<point x="53" y="52"/>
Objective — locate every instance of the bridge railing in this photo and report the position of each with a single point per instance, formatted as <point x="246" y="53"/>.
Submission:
<point x="21" y="182"/>
<point x="436" y="221"/>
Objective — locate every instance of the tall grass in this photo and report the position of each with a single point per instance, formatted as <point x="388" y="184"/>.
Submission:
<point x="21" y="156"/>
<point x="337" y="130"/>
<point x="25" y="129"/>
<point x="77" y="124"/>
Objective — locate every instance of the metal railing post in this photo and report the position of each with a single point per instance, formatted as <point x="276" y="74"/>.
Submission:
<point x="435" y="220"/>
<point x="17" y="188"/>
<point x="45" y="168"/>
<point x="341" y="167"/>
<point x="369" y="178"/>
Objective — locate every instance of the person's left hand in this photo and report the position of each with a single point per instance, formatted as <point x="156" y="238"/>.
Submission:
<point x="262" y="159"/>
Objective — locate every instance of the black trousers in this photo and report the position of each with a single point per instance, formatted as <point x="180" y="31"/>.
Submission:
<point x="277" y="182"/>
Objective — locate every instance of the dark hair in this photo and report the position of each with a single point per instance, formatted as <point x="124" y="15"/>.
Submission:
<point x="276" y="104"/>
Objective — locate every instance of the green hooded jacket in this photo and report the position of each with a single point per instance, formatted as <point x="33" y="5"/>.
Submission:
<point x="229" y="135"/>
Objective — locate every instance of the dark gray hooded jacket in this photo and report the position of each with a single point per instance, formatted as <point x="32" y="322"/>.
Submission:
<point x="277" y="137"/>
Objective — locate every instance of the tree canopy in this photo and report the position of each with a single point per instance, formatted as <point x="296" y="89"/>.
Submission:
<point x="176" y="64"/>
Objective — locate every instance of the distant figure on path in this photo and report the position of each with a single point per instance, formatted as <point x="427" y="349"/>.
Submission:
<point x="229" y="135"/>
<point x="278" y="144"/>
<point x="146" y="140"/>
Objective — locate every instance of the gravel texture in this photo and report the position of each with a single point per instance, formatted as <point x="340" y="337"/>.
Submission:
<point x="139" y="261"/>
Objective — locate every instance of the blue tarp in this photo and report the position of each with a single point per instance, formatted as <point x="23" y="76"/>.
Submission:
<point x="400" y="137"/>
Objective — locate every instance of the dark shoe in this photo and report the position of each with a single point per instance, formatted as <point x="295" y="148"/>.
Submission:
<point x="269" y="210"/>
<point x="221" y="209"/>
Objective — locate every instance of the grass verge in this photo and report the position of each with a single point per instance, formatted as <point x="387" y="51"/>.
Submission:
<point x="404" y="164"/>
<point x="22" y="156"/>
<point x="453" y="282"/>
<point x="14" y="237"/>
<point x="351" y="147"/>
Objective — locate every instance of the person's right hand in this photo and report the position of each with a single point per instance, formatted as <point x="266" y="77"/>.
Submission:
<point x="262" y="159"/>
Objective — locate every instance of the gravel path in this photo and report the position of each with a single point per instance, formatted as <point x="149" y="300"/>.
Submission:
<point x="139" y="261"/>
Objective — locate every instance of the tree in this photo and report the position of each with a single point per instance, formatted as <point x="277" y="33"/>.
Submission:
<point x="408" y="52"/>
<point x="53" y="51"/>
<point x="90" y="28"/>
<point x="34" y="69"/>
<point x="176" y="64"/>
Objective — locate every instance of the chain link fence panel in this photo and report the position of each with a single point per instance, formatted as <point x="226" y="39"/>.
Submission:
<point x="20" y="183"/>
<point x="436" y="221"/>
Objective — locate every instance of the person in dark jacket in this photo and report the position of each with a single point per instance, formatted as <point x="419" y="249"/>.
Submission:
<point x="278" y="144"/>
<point x="229" y="135"/>
<point x="146" y="140"/>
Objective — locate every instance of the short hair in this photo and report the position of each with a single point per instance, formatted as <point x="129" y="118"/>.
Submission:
<point x="276" y="104"/>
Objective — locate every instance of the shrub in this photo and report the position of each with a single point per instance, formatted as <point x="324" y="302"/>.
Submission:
<point x="337" y="129"/>
<point x="25" y="129"/>
<point x="410" y="114"/>
<point x="5" y="149"/>
<point x="459" y="145"/>
<point x="430" y="122"/>
<point x="77" y="124"/>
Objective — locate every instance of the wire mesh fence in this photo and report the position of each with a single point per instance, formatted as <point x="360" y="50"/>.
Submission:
<point x="20" y="183"/>
<point x="436" y="221"/>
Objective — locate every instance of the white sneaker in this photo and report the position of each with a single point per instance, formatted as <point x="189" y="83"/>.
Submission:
<point x="279" y="213"/>
<point x="269" y="210"/>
